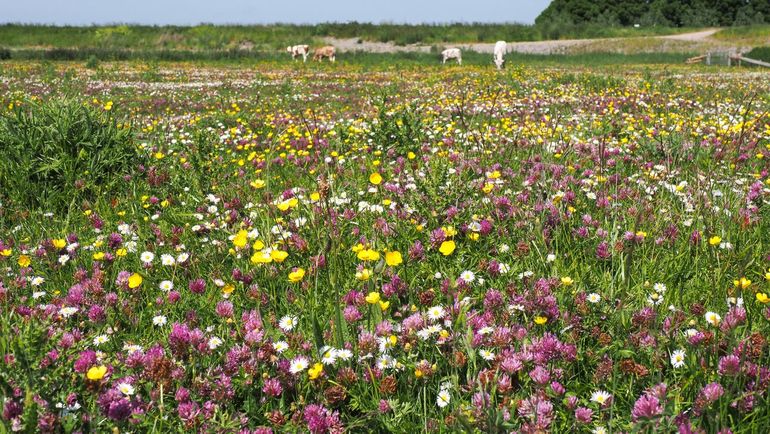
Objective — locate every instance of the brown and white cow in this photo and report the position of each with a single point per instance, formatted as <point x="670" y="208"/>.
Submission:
<point x="299" y="50"/>
<point x="327" y="51"/>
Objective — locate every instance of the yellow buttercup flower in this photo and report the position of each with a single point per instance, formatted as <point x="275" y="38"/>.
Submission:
<point x="375" y="178"/>
<point x="278" y="255"/>
<point x="135" y="280"/>
<point x="364" y="274"/>
<point x="24" y="261"/>
<point x="257" y="183"/>
<point x="763" y="298"/>
<point x="567" y="281"/>
<point x="393" y="258"/>
<point x="715" y="240"/>
<point x="96" y="373"/>
<point x="241" y="239"/>
<point x="373" y="297"/>
<point x="261" y="258"/>
<point x="384" y="305"/>
<point x="59" y="243"/>
<point x="315" y="371"/>
<point x="742" y="283"/>
<point x="296" y="275"/>
<point x="540" y="320"/>
<point x="121" y="253"/>
<point x="368" y="255"/>
<point x="447" y="247"/>
<point x="98" y="256"/>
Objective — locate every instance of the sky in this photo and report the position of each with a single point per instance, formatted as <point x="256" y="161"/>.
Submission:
<point x="187" y="12"/>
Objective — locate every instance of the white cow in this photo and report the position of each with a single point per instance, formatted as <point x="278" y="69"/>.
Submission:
<point x="452" y="53"/>
<point x="500" y="48"/>
<point x="299" y="50"/>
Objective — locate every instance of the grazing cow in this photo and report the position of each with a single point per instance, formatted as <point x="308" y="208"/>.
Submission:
<point x="500" y="48"/>
<point x="327" y="51"/>
<point x="452" y="53"/>
<point x="299" y="50"/>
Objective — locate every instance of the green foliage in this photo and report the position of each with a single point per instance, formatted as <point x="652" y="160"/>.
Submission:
<point x="55" y="153"/>
<point x="759" y="53"/>
<point x="678" y="13"/>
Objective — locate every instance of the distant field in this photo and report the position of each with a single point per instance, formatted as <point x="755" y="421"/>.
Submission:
<point x="277" y="36"/>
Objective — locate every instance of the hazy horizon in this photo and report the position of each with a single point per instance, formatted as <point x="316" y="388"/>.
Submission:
<point x="245" y="12"/>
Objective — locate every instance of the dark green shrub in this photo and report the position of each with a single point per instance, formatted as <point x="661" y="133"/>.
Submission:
<point x="56" y="153"/>
<point x="759" y="53"/>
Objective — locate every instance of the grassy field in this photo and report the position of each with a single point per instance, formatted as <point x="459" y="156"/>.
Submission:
<point x="267" y="247"/>
<point x="278" y="36"/>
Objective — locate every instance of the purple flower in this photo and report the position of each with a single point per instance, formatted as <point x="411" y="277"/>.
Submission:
<point x="197" y="286"/>
<point x="584" y="414"/>
<point x="646" y="407"/>
<point x="729" y="365"/>
<point x="712" y="392"/>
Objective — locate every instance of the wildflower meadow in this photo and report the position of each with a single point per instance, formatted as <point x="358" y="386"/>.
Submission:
<point x="341" y="248"/>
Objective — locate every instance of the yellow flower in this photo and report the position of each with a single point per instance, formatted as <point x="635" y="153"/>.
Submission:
<point x="121" y="253"/>
<point x="59" y="243"/>
<point x="315" y="371"/>
<point x="375" y="178"/>
<point x="134" y="281"/>
<point x="715" y="240"/>
<point x="24" y="261"/>
<point x="767" y="276"/>
<point x="447" y="247"/>
<point x="278" y="255"/>
<point x="393" y="258"/>
<point x="411" y="155"/>
<point x="296" y="275"/>
<point x="257" y="183"/>
<point x="96" y="373"/>
<point x="364" y="274"/>
<point x="474" y="236"/>
<point x="258" y="245"/>
<point x="261" y="258"/>
<point x="384" y="305"/>
<point x="540" y="320"/>
<point x="742" y="283"/>
<point x="417" y="373"/>
<point x="241" y="239"/>
<point x="567" y="281"/>
<point x="6" y="252"/>
<point x="98" y="256"/>
<point x="368" y="255"/>
<point x="450" y="231"/>
<point x="763" y="298"/>
<point x="286" y="204"/>
<point x="357" y="248"/>
<point x="373" y="297"/>
<point x="228" y="289"/>
<point x="315" y="196"/>
<point x="488" y="187"/>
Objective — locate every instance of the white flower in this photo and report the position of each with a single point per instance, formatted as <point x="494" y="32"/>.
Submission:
<point x="436" y="313"/>
<point x="101" y="339"/>
<point x="594" y="297"/>
<point x="600" y="397"/>
<point x="298" y="365"/>
<point x="654" y="299"/>
<point x="443" y="398"/>
<point x="344" y="354"/>
<point x="713" y="318"/>
<point x="690" y="333"/>
<point x="37" y="281"/>
<point x="599" y="430"/>
<point x="437" y="275"/>
<point x="487" y="355"/>
<point x="660" y="288"/>
<point x="182" y="257"/>
<point x="287" y="323"/>
<point x="126" y="389"/>
<point x="147" y="257"/>
<point x="159" y="320"/>
<point x="63" y="259"/>
<point x="167" y="259"/>
<point x="503" y="268"/>
<point x="280" y="346"/>
<point x="677" y="358"/>
<point x="214" y="342"/>
<point x="550" y="258"/>
<point x="467" y="276"/>
<point x="132" y="348"/>
<point x="329" y="357"/>
<point x="166" y="285"/>
<point x="37" y="294"/>
<point x="504" y="248"/>
<point x="486" y="330"/>
<point x="67" y="312"/>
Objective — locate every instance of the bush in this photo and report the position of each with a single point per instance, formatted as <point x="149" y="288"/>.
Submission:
<point x="759" y="53"/>
<point x="55" y="153"/>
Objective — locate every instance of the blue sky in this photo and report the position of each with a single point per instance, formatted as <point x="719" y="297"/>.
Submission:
<point x="184" y="12"/>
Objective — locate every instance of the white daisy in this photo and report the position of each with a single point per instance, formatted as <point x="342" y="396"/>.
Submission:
<point x="214" y="343"/>
<point x="677" y="358"/>
<point x="147" y="257"/>
<point x="487" y="355"/>
<point x="280" y="346"/>
<point x="660" y="288"/>
<point x="467" y="276"/>
<point x="344" y="354"/>
<point x="182" y="257"/>
<point x="166" y="285"/>
<point x="443" y="398"/>
<point x="329" y="357"/>
<point x="436" y="313"/>
<point x="67" y="312"/>
<point x="101" y="339"/>
<point x="486" y="330"/>
<point x="600" y="397"/>
<point x="287" y="323"/>
<point x="594" y="297"/>
<point x="299" y="364"/>
<point x="126" y="389"/>
<point x="713" y="318"/>
<point x="167" y="259"/>
<point x="159" y="320"/>
<point x="37" y="281"/>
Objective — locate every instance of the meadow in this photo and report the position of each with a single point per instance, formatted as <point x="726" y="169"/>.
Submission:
<point x="279" y="247"/>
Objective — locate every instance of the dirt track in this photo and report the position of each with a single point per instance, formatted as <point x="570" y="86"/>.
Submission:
<point x="536" y="47"/>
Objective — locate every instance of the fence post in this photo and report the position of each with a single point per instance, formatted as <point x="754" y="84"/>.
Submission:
<point x="708" y="58"/>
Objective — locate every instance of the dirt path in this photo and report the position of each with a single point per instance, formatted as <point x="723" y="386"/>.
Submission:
<point x="536" y="47"/>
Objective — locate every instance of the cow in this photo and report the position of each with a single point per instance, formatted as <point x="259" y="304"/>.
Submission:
<point x="500" y="48"/>
<point x="452" y="53"/>
<point x="327" y="51"/>
<point x="298" y="50"/>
